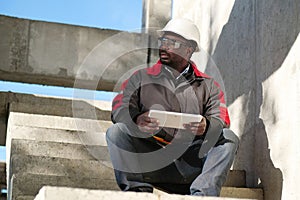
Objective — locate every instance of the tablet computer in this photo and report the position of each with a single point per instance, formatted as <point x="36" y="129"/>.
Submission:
<point x="174" y="119"/>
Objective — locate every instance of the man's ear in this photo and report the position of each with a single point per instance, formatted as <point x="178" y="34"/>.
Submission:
<point x="190" y="51"/>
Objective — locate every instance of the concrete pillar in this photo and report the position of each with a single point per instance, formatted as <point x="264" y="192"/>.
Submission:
<point x="156" y="13"/>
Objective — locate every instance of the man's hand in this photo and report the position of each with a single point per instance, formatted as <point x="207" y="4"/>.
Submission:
<point x="197" y="128"/>
<point x="147" y="124"/>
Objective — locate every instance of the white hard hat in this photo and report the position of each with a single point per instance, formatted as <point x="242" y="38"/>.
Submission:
<point x="183" y="27"/>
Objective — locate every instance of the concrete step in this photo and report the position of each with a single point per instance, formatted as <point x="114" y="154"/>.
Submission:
<point x="45" y="105"/>
<point x="56" y="135"/>
<point x="30" y="173"/>
<point x="28" y="184"/>
<point x="61" y="167"/>
<point x="236" y="178"/>
<point x="87" y="109"/>
<point x="234" y="192"/>
<point x="59" y="149"/>
<point x="55" y="128"/>
<point x="35" y="171"/>
<point x="57" y="122"/>
<point x="62" y="193"/>
<point x="25" y="197"/>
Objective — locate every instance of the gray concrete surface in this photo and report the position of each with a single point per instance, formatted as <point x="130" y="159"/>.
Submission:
<point x="58" y="150"/>
<point x="74" y="55"/>
<point x="35" y="104"/>
<point x="46" y="127"/>
<point x="29" y="184"/>
<point x="57" y="122"/>
<point x="254" y="44"/>
<point x="55" y="166"/>
<point x="56" y="135"/>
<point x="61" y="193"/>
<point x="51" y="150"/>
<point x="3" y="184"/>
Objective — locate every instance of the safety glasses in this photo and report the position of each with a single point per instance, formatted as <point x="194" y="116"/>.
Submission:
<point x="170" y="43"/>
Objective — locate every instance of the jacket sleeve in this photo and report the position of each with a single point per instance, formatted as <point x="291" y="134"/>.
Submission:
<point x="125" y="106"/>
<point x="215" y="108"/>
<point x="217" y="118"/>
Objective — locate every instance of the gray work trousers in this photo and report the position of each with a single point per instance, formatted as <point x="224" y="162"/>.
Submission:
<point x="141" y="162"/>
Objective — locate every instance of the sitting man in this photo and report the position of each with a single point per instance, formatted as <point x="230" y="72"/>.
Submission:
<point x="192" y="159"/>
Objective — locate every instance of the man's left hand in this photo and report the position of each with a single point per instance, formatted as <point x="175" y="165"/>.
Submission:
<point x="197" y="128"/>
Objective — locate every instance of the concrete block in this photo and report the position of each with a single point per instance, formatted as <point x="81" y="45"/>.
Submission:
<point x="250" y="193"/>
<point x="62" y="107"/>
<point x="236" y="178"/>
<point x="186" y="197"/>
<point x="42" y="105"/>
<point x="62" y="193"/>
<point x="26" y="126"/>
<point x="29" y="184"/>
<point x="59" y="150"/>
<point x="3" y="128"/>
<point x="227" y="193"/>
<point x="25" y="197"/>
<point x="57" y="122"/>
<point x="61" y="167"/>
<point x="13" y="46"/>
<point x="2" y="175"/>
<point x="55" y="128"/>
<point x="56" y="135"/>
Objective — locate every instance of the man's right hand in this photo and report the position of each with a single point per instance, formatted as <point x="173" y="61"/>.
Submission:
<point x="146" y="123"/>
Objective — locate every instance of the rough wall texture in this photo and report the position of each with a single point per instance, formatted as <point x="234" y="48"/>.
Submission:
<point x="254" y="45"/>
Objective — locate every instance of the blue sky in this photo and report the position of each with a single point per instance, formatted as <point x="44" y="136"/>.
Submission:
<point x="123" y="15"/>
<point x="112" y="14"/>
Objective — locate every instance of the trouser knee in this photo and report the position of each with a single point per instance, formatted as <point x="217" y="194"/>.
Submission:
<point x="232" y="137"/>
<point x="112" y="133"/>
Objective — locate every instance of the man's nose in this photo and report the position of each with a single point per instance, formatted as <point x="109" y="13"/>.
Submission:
<point x="163" y="46"/>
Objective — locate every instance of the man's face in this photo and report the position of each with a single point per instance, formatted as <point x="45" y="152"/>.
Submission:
<point x="174" y="50"/>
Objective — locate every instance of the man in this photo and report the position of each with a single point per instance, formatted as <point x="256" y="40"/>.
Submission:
<point x="191" y="160"/>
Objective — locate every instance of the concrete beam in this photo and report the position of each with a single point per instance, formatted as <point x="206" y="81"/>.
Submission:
<point x="66" y="55"/>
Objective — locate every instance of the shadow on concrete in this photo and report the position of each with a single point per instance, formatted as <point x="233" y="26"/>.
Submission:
<point x="269" y="177"/>
<point x="252" y="46"/>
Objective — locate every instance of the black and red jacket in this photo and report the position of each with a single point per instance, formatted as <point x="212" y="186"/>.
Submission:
<point x="156" y="88"/>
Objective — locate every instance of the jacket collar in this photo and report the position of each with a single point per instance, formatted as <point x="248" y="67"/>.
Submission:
<point x="156" y="69"/>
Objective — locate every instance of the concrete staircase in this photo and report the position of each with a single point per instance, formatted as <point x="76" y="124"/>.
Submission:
<point x="54" y="157"/>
